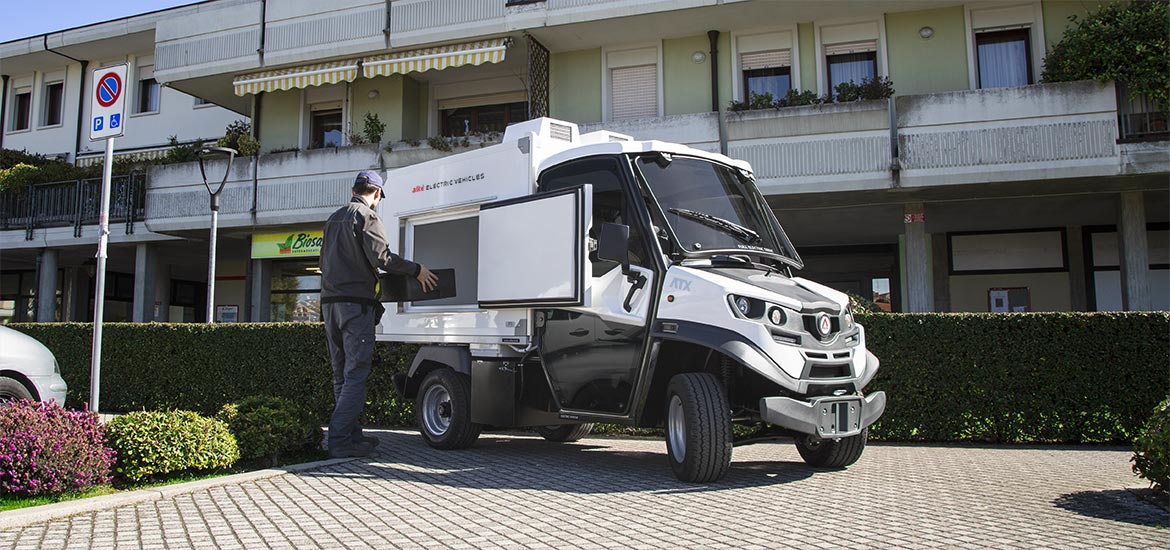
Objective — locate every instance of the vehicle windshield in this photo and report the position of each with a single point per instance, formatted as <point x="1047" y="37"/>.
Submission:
<point x="713" y="207"/>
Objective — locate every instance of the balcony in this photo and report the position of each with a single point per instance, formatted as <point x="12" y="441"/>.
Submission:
<point x="70" y="204"/>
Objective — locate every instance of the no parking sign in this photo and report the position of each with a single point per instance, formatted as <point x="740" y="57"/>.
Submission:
<point x="107" y="102"/>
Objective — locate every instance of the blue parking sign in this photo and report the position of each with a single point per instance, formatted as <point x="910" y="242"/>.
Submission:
<point x="97" y="124"/>
<point x="115" y="120"/>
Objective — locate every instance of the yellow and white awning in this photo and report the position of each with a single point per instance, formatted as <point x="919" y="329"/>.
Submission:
<point x="439" y="57"/>
<point x="296" y="77"/>
<point x="132" y="156"/>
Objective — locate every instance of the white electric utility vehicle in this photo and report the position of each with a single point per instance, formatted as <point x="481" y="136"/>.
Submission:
<point x="602" y="279"/>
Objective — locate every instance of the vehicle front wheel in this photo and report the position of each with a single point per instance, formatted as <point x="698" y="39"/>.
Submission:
<point x="443" y="410"/>
<point x="698" y="427"/>
<point x="564" y="433"/>
<point x="831" y="453"/>
<point x="11" y="388"/>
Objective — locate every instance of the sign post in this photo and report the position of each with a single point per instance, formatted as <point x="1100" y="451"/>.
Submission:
<point x="107" y="107"/>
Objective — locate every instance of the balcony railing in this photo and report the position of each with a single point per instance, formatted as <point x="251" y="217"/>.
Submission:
<point x="73" y="203"/>
<point x="1140" y="118"/>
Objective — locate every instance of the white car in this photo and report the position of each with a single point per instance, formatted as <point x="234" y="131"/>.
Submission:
<point x="28" y="369"/>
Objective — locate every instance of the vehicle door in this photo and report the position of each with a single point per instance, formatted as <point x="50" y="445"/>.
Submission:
<point x="593" y="354"/>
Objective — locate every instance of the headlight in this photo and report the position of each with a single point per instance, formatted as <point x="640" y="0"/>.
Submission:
<point x="777" y="316"/>
<point x="848" y="316"/>
<point x="743" y="305"/>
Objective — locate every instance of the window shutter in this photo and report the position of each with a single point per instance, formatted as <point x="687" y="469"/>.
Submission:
<point x="634" y="91"/>
<point x="765" y="60"/>
<point x="851" y="47"/>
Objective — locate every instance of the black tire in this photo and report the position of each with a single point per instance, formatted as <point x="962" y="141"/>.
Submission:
<point x="701" y="426"/>
<point x="831" y="453"/>
<point x="564" y="433"/>
<point x="11" y="388"/>
<point x="443" y="410"/>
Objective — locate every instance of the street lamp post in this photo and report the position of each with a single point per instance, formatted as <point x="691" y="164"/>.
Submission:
<point x="203" y="154"/>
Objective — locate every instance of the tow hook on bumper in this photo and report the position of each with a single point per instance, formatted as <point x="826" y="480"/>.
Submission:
<point x="830" y="417"/>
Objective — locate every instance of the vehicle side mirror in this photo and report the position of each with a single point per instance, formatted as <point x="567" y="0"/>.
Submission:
<point x="614" y="244"/>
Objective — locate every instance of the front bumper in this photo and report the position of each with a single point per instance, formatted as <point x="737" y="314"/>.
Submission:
<point x="829" y="417"/>
<point x="50" y="388"/>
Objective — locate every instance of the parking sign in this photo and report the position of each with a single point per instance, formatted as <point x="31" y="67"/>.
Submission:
<point x="107" y="102"/>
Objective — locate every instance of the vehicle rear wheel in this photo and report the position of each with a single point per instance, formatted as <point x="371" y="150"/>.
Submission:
<point x="443" y="410"/>
<point x="698" y="428"/>
<point x="564" y="433"/>
<point x="11" y="388"/>
<point x="831" y="453"/>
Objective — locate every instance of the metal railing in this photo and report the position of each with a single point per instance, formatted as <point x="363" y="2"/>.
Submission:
<point x="73" y="203"/>
<point x="1140" y="118"/>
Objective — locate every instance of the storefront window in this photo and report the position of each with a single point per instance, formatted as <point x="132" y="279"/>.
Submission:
<point x="119" y="304"/>
<point x="296" y="291"/>
<point x="16" y="296"/>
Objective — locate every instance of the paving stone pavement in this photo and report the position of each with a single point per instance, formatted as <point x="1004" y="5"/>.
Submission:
<point x="522" y="492"/>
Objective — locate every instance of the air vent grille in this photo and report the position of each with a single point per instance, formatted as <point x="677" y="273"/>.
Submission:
<point x="561" y="132"/>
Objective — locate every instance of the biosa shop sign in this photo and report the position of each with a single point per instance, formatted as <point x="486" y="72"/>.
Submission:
<point x="287" y="244"/>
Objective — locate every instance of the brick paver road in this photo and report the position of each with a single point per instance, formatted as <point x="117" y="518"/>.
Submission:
<point x="609" y="493"/>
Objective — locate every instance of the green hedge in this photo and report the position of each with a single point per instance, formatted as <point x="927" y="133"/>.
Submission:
<point x="1061" y="377"/>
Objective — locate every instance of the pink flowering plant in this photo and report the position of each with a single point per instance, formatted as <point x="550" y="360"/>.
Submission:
<point x="46" y="449"/>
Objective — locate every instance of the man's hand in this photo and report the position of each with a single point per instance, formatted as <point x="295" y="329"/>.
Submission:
<point x="427" y="279"/>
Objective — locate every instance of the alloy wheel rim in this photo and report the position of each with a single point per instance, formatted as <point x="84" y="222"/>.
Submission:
<point x="677" y="431"/>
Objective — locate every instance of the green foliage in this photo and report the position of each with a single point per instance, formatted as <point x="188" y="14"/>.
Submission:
<point x="238" y="136"/>
<point x="20" y="169"/>
<point x="373" y="128"/>
<point x="440" y="143"/>
<point x="1036" y="377"/>
<point x="182" y="151"/>
<point x="1151" y="449"/>
<point x="151" y="443"/>
<point x="17" y="178"/>
<point x="1122" y="41"/>
<point x="1041" y="377"/>
<point x="878" y="88"/>
<point x="869" y="88"/>
<point x="268" y="427"/>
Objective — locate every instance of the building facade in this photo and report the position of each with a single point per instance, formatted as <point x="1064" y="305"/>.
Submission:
<point x="972" y="188"/>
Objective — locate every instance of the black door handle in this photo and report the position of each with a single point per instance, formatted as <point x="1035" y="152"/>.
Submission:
<point x="614" y="332"/>
<point x="638" y="281"/>
<point x="580" y="332"/>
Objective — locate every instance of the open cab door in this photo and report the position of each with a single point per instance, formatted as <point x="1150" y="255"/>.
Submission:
<point x="533" y="252"/>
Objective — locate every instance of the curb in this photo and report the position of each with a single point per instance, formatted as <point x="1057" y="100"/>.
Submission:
<point x="24" y="517"/>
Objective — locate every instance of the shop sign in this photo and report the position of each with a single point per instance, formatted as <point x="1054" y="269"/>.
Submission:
<point x="297" y="243"/>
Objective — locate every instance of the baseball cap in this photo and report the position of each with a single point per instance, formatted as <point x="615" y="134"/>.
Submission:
<point x="371" y="177"/>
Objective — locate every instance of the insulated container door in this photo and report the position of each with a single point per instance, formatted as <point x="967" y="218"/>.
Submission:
<point x="532" y="250"/>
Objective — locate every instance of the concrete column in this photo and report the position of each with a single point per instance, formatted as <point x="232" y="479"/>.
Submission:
<point x="47" y="286"/>
<point x="918" y="256"/>
<point x="1135" y="252"/>
<point x="145" y="273"/>
<point x="941" y="270"/>
<point x="1077" y="279"/>
<point x="261" y="284"/>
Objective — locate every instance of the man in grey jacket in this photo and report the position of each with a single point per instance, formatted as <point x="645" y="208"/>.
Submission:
<point x="353" y="249"/>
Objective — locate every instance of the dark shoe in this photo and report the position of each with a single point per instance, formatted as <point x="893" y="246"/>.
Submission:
<point x="357" y="450"/>
<point x="371" y="441"/>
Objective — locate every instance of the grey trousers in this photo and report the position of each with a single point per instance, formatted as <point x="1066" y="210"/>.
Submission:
<point x="349" y="333"/>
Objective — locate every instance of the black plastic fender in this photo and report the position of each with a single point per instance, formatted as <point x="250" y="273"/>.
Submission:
<point x="428" y="358"/>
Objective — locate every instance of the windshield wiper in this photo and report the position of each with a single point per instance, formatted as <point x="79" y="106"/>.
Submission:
<point x="731" y="228"/>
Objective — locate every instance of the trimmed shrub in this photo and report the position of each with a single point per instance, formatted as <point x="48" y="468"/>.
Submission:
<point x="1056" y="377"/>
<point x="1151" y="450"/>
<point x="45" y="449"/>
<point x="267" y="427"/>
<point x="151" y="443"/>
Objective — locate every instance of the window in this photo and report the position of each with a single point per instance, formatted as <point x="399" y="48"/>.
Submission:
<point x="1004" y="58"/>
<point x="850" y="67"/>
<point x="482" y="118"/>
<point x="199" y="102"/>
<point x="632" y="87"/>
<point x="766" y="72"/>
<point x="296" y="291"/>
<point x="21" y="106"/>
<point x="54" y="103"/>
<point x="148" y="90"/>
<point x="325" y="129"/>
<point x="610" y="204"/>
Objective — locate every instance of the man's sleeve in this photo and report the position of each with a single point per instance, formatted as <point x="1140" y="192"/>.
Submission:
<point x="378" y="252"/>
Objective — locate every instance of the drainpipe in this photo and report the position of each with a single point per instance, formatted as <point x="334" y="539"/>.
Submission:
<point x="713" y="36"/>
<point x="257" y="102"/>
<point x="3" y="107"/>
<point x="263" y="19"/>
<point x="80" y="94"/>
<point x="386" y="30"/>
<point x="895" y="162"/>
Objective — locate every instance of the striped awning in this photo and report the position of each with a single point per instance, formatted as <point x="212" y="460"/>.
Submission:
<point x="439" y="57"/>
<point x="296" y="77"/>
